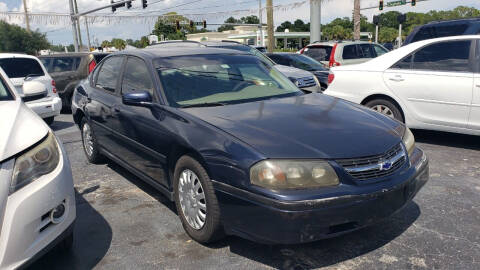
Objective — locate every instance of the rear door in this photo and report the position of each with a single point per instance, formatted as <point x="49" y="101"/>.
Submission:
<point x="436" y="83"/>
<point x="141" y="141"/>
<point x="356" y="54"/>
<point x="104" y="96"/>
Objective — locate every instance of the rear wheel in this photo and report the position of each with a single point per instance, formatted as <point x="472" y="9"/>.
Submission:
<point x="90" y="145"/>
<point x="386" y="107"/>
<point x="196" y="203"/>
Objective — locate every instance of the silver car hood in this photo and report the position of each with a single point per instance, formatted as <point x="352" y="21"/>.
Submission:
<point x="20" y="128"/>
<point x="292" y="72"/>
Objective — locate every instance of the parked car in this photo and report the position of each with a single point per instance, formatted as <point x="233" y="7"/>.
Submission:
<point x="261" y="49"/>
<point x="68" y="69"/>
<point x="243" y="151"/>
<point x="389" y="46"/>
<point x="334" y="54"/>
<point x="304" y="80"/>
<point x="302" y="62"/>
<point x="21" y="68"/>
<point x="439" y="29"/>
<point x="37" y="200"/>
<point x="430" y="84"/>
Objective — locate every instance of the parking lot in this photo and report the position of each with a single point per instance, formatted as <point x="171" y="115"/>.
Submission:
<point x="122" y="223"/>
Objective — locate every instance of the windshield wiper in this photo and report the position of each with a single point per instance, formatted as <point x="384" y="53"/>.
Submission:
<point x="207" y="104"/>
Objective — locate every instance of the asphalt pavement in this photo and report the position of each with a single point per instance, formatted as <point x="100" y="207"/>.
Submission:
<point x="122" y="223"/>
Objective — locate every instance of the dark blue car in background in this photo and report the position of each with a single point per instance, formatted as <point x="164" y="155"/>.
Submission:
<point x="241" y="150"/>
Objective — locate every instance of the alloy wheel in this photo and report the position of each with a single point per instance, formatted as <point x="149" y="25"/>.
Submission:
<point x="87" y="139"/>
<point x="192" y="199"/>
<point x="384" y="110"/>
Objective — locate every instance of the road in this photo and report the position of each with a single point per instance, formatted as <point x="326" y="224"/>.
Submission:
<point x="122" y="223"/>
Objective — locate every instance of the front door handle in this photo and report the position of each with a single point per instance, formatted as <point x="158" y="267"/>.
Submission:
<point x="397" y="78"/>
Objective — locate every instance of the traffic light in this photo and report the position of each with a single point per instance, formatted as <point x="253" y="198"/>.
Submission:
<point x="414" y="3"/>
<point x="129" y="4"/>
<point x="144" y="3"/>
<point x="376" y="19"/>
<point x="177" y="25"/>
<point x="380" y="5"/>
<point x="191" y="24"/>
<point x="204" y="24"/>
<point x="114" y="8"/>
<point x="402" y="18"/>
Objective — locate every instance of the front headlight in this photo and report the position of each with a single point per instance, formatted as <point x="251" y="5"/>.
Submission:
<point x="409" y="141"/>
<point x="40" y="160"/>
<point x="293" y="174"/>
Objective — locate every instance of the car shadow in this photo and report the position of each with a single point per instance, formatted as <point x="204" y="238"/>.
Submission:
<point x="447" y="139"/>
<point x="326" y="252"/>
<point x="92" y="238"/>
<point x="59" y="125"/>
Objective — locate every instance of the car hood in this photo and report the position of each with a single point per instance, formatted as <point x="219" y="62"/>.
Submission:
<point x="293" y="72"/>
<point x="307" y="126"/>
<point x="21" y="128"/>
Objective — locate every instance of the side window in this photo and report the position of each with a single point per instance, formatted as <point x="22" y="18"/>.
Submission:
<point x="405" y="63"/>
<point x="444" y="56"/>
<point x="424" y="33"/>
<point x="280" y="60"/>
<point x="450" y="30"/>
<point x="379" y="50"/>
<point x="350" y="52"/>
<point x="365" y="51"/>
<point x="109" y="73"/>
<point x="63" y="64"/>
<point x="136" y="76"/>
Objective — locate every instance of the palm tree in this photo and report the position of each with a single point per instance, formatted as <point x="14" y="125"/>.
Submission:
<point x="356" y="20"/>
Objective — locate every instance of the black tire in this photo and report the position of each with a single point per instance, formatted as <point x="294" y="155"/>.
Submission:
<point x="49" y="120"/>
<point x="397" y="114"/>
<point x="66" y="244"/>
<point x="212" y="229"/>
<point x="95" y="156"/>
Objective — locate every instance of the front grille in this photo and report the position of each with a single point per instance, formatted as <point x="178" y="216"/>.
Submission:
<point x="375" y="166"/>
<point x="306" y="82"/>
<point x="34" y="97"/>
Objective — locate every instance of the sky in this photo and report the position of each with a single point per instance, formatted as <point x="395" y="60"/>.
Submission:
<point x="62" y="34"/>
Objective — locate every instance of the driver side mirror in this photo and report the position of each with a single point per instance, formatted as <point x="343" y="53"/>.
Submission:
<point x="138" y="98"/>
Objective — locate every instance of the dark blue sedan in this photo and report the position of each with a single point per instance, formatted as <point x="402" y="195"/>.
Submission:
<point x="241" y="150"/>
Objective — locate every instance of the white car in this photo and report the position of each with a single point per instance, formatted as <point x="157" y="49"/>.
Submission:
<point x="21" y="68"/>
<point x="432" y="84"/>
<point x="37" y="199"/>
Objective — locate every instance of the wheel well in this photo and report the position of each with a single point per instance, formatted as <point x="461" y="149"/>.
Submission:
<point x="176" y="153"/>
<point x="77" y="118"/>
<point x="379" y="96"/>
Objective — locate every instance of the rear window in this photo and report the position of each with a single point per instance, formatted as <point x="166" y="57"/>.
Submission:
<point x="350" y="52"/>
<point x="319" y="53"/>
<point x="61" y="64"/>
<point x="21" y="67"/>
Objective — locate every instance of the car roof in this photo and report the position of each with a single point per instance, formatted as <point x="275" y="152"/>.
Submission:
<point x="16" y="55"/>
<point x="464" y="20"/>
<point x="345" y="42"/>
<point x="71" y="54"/>
<point x="155" y="52"/>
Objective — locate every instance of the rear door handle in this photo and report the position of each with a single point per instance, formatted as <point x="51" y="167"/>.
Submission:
<point x="397" y="78"/>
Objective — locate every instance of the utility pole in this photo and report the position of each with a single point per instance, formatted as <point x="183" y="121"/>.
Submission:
<point x="315" y="20"/>
<point x="262" y="39"/>
<point x="271" y="34"/>
<point x="356" y="20"/>
<point x="78" y="24"/>
<point x="74" y="26"/>
<point x="27" y="22"/>
<point x="88" y="34"/>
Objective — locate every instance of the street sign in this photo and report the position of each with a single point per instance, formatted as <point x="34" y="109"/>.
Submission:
<point x="396" y="3"/>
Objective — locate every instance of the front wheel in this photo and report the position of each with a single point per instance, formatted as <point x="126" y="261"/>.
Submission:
<point x="387" y="108"/>
<point x="90" y="145"/>
<point x="196" y="203"/>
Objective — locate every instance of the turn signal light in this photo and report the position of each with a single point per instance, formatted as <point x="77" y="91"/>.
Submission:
<point x="331" y="77"/>
<point x="91" y="66"/>
<point x="54" y="89"/>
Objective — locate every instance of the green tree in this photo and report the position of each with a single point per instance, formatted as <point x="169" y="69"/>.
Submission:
<point x="118" y="43"/>
<point x="166" y="26"/>
<point x="105" y="44"/>
<point x="387" y="34"/>
<point x="252" y="19"/>
<point x="14" y="38"/>
<point x="228" y="27"/>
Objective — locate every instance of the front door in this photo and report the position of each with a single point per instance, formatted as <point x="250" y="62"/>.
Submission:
<point x="435" y="83"/>
<point x="474" y="119"/>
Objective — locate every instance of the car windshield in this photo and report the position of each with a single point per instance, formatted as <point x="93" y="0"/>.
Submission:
<point x="4" y="93"/>
<point x="220" y="79"/>
<point x="305" y="63"/>
<point x="21" y="67"/>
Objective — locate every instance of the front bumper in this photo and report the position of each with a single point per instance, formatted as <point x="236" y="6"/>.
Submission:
<point x="271" y="221"/>
<point x="46" y="107"/>
<point x="27" y="229"/>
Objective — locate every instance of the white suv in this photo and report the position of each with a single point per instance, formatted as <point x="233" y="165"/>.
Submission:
<point x="21" y="68"/>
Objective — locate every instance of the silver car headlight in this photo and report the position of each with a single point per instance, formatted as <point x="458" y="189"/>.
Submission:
<point x="40" y="160"/>
<point x="293" y="174"/>
<point x="409" y="141"/>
